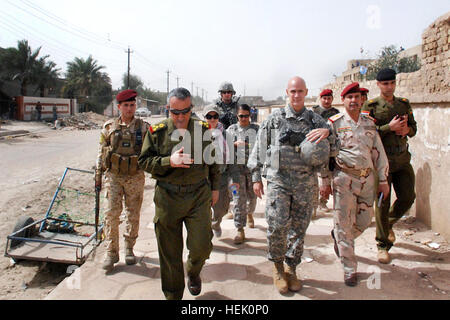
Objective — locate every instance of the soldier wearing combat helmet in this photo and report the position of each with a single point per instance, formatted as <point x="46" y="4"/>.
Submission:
<point x="227" y="104"/>
<point x="395" y="122"/>
<point x="120" y="146"/>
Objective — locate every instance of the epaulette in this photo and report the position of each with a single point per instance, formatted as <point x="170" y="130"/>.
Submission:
<point x="333" y="119"/>
<point x="373" y="101"/>
<point x="205" y="124"/>
<point x="157" y="127"/>
<point x="367" y="115"/>
<point x="403" y="100"/>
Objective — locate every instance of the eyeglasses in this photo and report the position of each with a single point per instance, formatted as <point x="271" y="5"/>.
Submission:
<point x="209" y="116"/>
<point x="227" y="92"/>
<point x="178" y="112"/>
<point x="244" y="116"/>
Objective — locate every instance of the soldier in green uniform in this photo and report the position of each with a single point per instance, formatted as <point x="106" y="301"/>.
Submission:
<point x="173" y="152"/>
<point x="326" y="111"/>
<point x="395" y="123"/>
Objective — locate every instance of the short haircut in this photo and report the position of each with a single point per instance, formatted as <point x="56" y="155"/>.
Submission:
<point x="244" y="107"/>
<point x="179" y="93"/>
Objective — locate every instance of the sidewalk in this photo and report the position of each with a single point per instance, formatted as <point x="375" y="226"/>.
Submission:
<point x="244" y="273"/>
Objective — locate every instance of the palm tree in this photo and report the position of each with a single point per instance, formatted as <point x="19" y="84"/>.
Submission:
<point x="83" y="78"/>
<point x="46" y="75"/>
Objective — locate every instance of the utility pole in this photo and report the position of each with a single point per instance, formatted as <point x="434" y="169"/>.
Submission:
<point x="178" y="82"/>
<point x="128" y="73"/>
<point x="203" y="96"/>
<point x="168" y="82"/>
<point x="197" y="91"/>
<point x="192" y="87"/>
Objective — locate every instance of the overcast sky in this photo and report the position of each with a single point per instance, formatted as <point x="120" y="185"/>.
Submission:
<point x="257" y="45"/>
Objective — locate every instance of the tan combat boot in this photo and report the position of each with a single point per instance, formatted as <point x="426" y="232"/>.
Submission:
<point x="250" y="221"/>
<point x="229" y="216"/>
<point x="391" y="236"/>
<point x="108" y="264"/>
<point x="294" y="283"/>
<point x="240" y="237"/>
<point x="383" y="256"/>
<point x="130" y="258"/>
<point x="280" y="279"/>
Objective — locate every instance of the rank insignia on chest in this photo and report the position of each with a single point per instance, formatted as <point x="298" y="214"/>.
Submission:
<point x="344" y="129"/>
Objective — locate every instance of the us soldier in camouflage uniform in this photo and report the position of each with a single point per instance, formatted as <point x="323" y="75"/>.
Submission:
<point x="243" y="135"/>
<point x="120" y="145"/>
<point x="278" y="156"/>
<point x="326" y="111"/>
<point x="395" y="122"/>
<point x="361" y="153"/>
<point x="227" y="104"/>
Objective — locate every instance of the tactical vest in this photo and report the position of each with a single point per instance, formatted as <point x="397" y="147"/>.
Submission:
<point x="121" y="156"/>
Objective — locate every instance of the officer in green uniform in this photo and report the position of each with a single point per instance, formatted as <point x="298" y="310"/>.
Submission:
<point x="177" y="157"/>
<point x="395" y="123"/>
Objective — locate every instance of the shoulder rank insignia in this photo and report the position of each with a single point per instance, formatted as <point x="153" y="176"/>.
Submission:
<point x="333" y="119"/>
<point x="156" y="128"/>
<point x="404" y="100"/>
<point x="205" y="124"/>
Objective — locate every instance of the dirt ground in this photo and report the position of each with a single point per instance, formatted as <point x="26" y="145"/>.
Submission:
<point x="31" y="167"/>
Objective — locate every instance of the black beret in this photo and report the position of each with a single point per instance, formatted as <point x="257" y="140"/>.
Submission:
<point x="386" y="75"/>
<point x="127" y="95"/>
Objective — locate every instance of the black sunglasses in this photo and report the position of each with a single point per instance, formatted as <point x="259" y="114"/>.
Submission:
<point x="209" y="117"/>
<point x="184" y="111"/>
<point x="227" y="92"/>
<point x="243" y="116"/>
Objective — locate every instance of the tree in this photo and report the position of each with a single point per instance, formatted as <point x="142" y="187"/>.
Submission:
<point x="389" y="58"/>
<point x="23" y="65"/>
<point x="135" y="83"/>
<point x="86" y="82"/>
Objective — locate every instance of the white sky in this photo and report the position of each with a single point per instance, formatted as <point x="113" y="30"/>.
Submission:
<point x="257" y="45"/>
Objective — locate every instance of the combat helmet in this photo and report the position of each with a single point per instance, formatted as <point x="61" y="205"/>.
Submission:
<point x="315" y="155"/>
<point x="227" y="86"/>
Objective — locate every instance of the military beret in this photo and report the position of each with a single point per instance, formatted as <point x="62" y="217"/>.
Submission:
<point x="351" y="88"/>
<point x="127" y="95"/>
<point x="364" y="91"/>
<point x="386" y="75"/>
<point x="326" y="92"/>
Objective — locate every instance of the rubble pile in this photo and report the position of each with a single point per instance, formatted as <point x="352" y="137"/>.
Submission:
<point x="83" y="121"/>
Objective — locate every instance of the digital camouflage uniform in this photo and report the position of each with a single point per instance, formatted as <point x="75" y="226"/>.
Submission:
<point x="181" y="196"/>
<point x="118" y="153"/>
<point x="325" y="114"/>
<point x="291" y="182"/>
<point x="245" y="198"/>
<point x="401" y="173"/>
<point x="228" y="112"/>
<point x="361" y="154"/>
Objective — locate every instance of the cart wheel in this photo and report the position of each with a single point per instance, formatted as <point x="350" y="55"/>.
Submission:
<point x="22" y="223"/>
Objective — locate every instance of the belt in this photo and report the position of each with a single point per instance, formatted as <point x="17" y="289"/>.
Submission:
<point x="185" y="188"/>
<point x="361" y="173"/>
<point x="396" y="150"/>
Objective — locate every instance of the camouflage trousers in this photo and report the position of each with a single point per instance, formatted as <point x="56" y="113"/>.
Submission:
<point x="222" y="206"/>
<point x="118" y="189"/>
<point x="244" y="200"/>
<point x="353" y="204"/>
<point x="288" y="214"/>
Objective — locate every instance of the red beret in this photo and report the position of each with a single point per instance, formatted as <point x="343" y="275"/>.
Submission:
<point x="127" y="95"/>
<point x="351" y="88"/>
<point x="364" y="91"/>
<point x="326" y="92"/>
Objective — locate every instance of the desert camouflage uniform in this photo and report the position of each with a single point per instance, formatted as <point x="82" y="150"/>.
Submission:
<point x="245" y="199"/>
<point x="361" y="153"/>
<point x="291" y="183"/>
<point x="119" y="187"/>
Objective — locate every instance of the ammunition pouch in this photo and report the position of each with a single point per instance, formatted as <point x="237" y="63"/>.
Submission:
<point x="124" y="165"/>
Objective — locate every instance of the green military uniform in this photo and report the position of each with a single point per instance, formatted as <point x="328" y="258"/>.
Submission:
<point x="181" y="195"/>
<point x="401" y="173"/>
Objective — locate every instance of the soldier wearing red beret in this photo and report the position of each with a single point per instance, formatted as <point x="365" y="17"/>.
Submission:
<point x="326" y="111"/>
<point x="364" y="95"/>
<point x="120" y="146"/>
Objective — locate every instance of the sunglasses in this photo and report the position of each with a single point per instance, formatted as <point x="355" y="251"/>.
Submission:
<point x="178" y="112"/>
<point x="227" y="92"/>
<point x="243" y="116"/>
<point x="209" y="117"/>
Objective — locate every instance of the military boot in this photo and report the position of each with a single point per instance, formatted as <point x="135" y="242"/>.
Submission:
<point x="130" y="258"/>
<point x="391" y="236"/>
<point x="294" y="283"/>
<point x="240" y="237"/>
<point x="383" y="256"/>
<point x="250" y="221"/>
<point x="280" y="279"/>
<point x="229" y="216"/>
<point x="108" y="264"/>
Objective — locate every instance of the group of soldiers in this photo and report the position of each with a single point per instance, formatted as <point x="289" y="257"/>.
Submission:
<point x="304" y="155"/>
